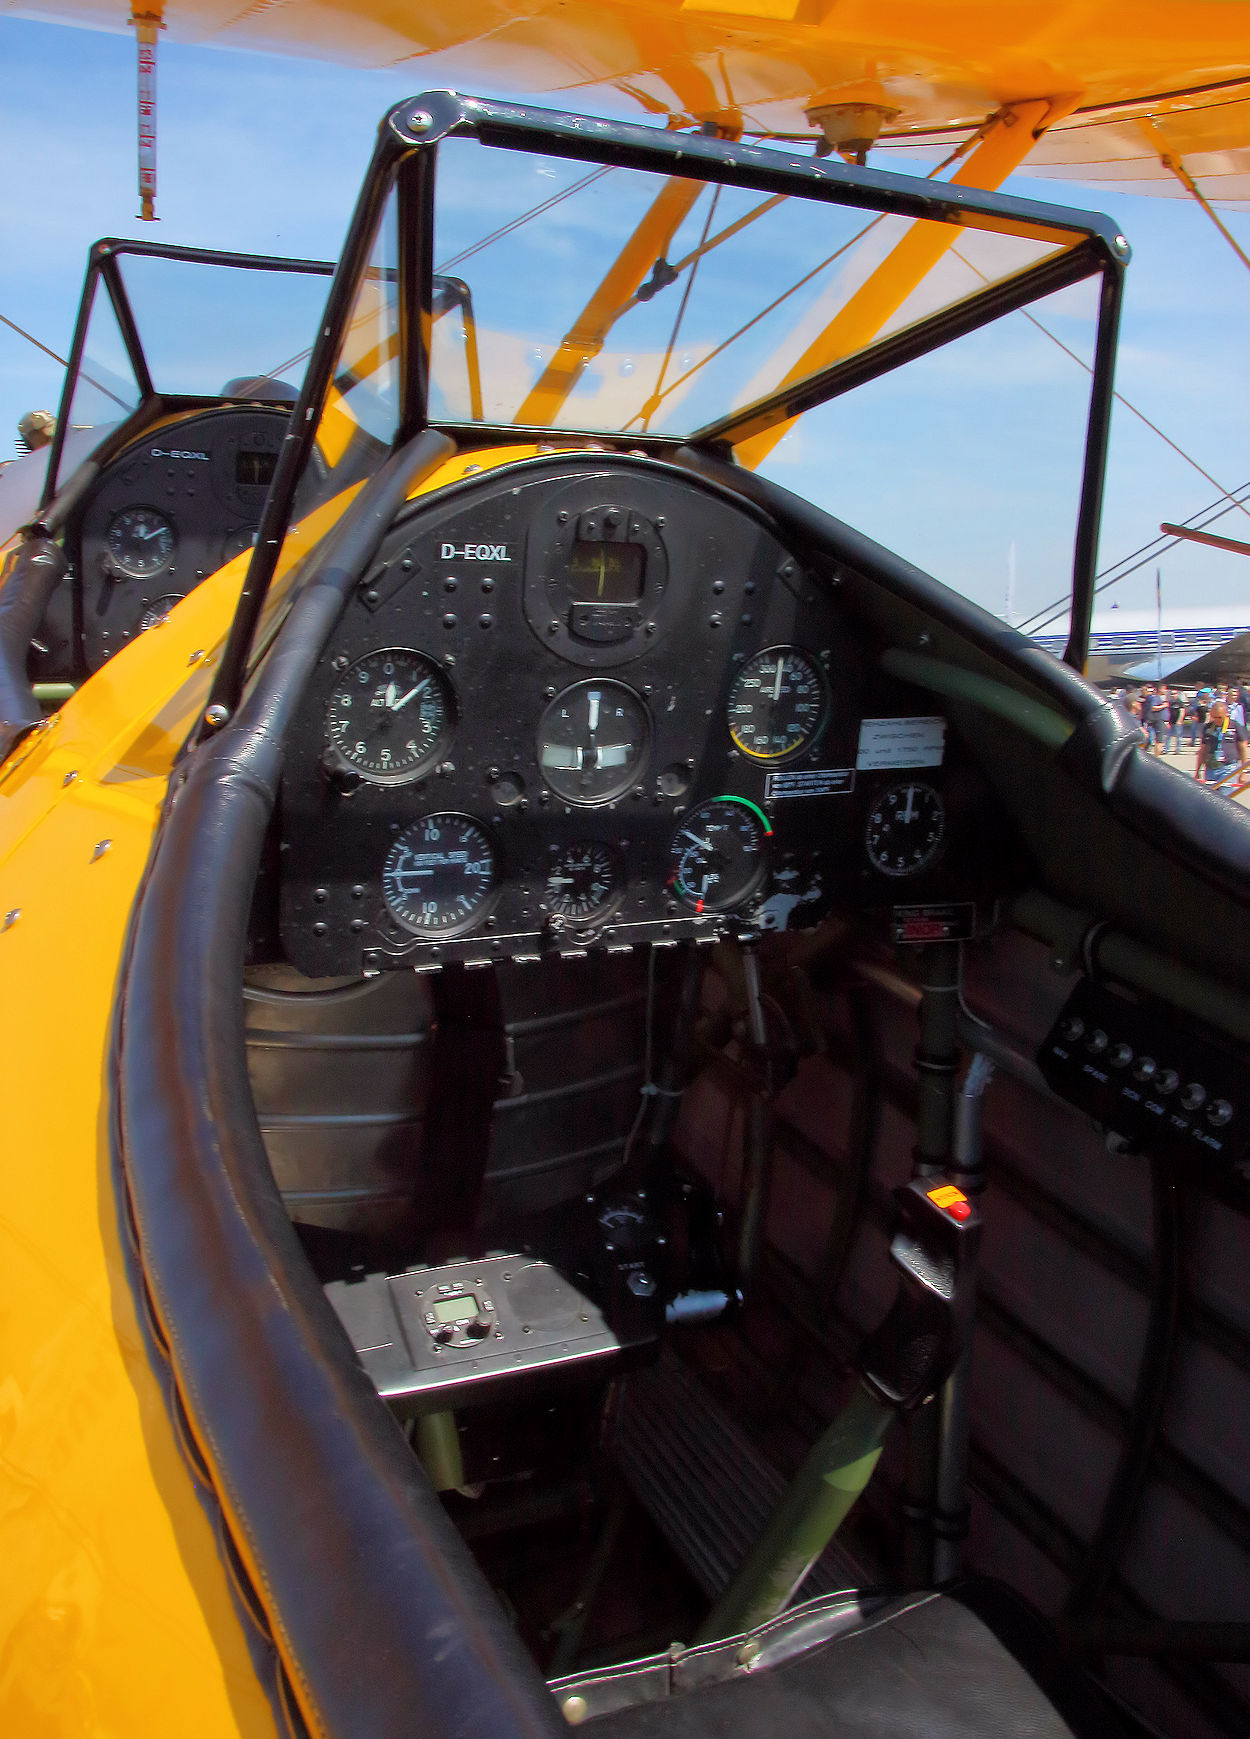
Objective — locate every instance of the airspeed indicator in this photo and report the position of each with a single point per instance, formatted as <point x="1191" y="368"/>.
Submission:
<point x="777" y="704"/>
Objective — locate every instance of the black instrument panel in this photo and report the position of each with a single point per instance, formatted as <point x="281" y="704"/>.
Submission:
<point x="175" y="506"/>
<point x="590" y="703"/>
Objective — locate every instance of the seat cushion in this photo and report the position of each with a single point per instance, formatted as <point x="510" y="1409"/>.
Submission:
<point x="924" y="1667"/>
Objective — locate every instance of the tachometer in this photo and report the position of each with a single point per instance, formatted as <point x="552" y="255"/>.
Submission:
<point x="719" y="855"/>
<point x="592" y="741"/>
<point x="440" y="875"/>
<point x="777" y="703"/>
<point x="140" y="542"/>
<point x="583" y="879"/>
<point x="391" y="714"/>
<point x="906" y="826"/>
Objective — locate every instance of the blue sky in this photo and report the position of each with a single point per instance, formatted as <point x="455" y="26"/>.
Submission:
<point x="266" y="155"/>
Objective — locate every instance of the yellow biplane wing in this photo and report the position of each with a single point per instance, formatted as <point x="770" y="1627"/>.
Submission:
<point x="1146" y="93"/>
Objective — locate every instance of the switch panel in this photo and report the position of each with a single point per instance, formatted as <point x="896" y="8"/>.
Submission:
<point x="1153" y="1082"/>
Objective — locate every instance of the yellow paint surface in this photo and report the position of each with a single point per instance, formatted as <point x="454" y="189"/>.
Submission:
<point x="116" y="1621"/>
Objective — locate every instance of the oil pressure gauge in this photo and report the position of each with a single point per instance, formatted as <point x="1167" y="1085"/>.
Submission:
<point x="906" y="827"/>
<point x="777" y="704"/>
<point x="719" y="855"/>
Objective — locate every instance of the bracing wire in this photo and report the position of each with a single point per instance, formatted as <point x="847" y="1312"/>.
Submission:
<point x="649" y="409"/>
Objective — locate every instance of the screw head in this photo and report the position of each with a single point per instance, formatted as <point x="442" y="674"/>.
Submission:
<point x="11" y="917"/>
<point x="101" y="847"/>
<point x="215" y="716"/>
<point x="574" y="1710"/>
<point x="420" y="121"/>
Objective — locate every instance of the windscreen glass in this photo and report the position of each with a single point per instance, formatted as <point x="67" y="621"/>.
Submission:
<point x="967" y="460"/>
<point x="210" y="329"/>
<point x="617" y="300"/>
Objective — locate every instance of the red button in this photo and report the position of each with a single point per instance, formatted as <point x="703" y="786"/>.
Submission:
<point x="959" y="1210"/>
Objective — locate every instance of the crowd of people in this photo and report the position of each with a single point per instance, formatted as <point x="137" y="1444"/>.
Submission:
<point x="1211" y="720"/>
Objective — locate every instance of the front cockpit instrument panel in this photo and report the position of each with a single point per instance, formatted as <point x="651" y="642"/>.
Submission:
<point x="173" y="507"/>
<point x="592" y="703"/>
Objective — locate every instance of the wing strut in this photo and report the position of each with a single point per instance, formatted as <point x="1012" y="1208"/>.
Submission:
<point x="583" y="342"/>
<point x="146" y="26"/>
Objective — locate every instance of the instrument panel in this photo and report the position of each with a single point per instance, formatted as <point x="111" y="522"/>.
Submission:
<point x="592" y="703"/>
<point x="175" y="506"/>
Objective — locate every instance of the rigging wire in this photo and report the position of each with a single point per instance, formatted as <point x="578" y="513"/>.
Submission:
<point x="525" y="217"/>
<point x="807" y="277"/>
<point x="1127" y="403"/>
<point x="1140" y="558"/>
<point x="652" y="404"/>
<point x="30" y="337"/>
<point x="1175" y="163"/>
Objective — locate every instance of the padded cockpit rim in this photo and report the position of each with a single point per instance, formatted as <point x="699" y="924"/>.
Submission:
<point x="382" y="1619"/>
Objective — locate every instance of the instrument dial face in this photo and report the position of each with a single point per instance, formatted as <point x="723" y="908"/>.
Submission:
<point x="592" y="741"/>
<point x="906" y="827"/>
<point x="719" y="854"/>
<point x="158" y="611"/>
<point x="391" y="714"/>
<point x="583" y="880"/>
<point x="440" y="875"/>
<point x="140" y="542"/>
<point x="777" y="703"/>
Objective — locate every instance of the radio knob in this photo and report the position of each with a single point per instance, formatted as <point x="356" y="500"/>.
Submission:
<point x="1167" y="1081"/>
<point x="1071" y="1028"/>
<point x="1097" y="1042"/>
<point x="443" y="1333"/>
<point x="1219" y="1112"/>
<point x="1146" y="1069"/>
<point x="1193" y="1095"/>
<point x="478" y="1329"/>
<point x="1120" y="1056"/>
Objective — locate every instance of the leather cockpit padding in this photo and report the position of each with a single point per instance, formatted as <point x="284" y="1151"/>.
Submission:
<point x="932" y="1670"/>
<point x="385" y="1626"/>
<point x="1104" y="754"/>
<point x="1210" y="834"/>
<point x="30" y="573"/>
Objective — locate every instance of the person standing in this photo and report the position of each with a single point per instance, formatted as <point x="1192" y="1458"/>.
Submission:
<point x="1173" y="708"/>
<point x="1222" y="747"/>
<point x="1152" y="714"/>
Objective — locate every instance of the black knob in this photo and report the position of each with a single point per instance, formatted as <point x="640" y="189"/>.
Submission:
<point x="1097" y="1042"/>
<point x="478" y="1329"/>
<point x="1167" y="1081"/>
<point x="1120" y="1056"/>
<point x="1193" y="1095"/>
<point x="1146" y="1069"/>
<point x="1219" y="1112"/>
<point x="443" y="1333"/>
<point x="1072" y="1028"/>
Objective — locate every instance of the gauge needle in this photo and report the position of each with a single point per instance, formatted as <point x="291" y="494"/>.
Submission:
<point x="781" y="664"/>
<point x="559" y="881"/>
<point x="394" y="704"/>
<point x="705" y="844"/>
<point x="909" y="812"/>
<point x="594" y="698"/>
